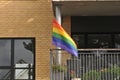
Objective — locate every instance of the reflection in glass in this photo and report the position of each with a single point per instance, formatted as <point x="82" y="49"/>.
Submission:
<point x="5" y="52"/>
<point x="5" y="74"/>
<point x="16" y="59"/>
<point x="23" y="52"/>
<point x="23" y="65"/>
<point x="22" y="74"/>
<point x="79" y="40"/>
<point x="99" y="41"/>
<point x="117" y="41"/>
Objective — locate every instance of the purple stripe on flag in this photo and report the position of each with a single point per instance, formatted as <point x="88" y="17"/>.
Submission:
<point x="71" y="51"/>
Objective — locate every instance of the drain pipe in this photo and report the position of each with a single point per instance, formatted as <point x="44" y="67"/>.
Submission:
<point x="58" y="18"/>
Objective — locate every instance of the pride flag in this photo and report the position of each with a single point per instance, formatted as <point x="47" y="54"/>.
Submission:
<point x="61" y="39"/>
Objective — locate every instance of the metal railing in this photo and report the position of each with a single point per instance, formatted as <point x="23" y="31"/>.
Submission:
<point x="20" y="69"/>
<point x="92" y="64"/>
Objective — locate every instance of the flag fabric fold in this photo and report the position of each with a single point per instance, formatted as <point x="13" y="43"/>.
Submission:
<point x="61" y="39"/>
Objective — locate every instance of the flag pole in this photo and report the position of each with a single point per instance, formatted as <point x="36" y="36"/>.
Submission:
<point x="58" y="18"/>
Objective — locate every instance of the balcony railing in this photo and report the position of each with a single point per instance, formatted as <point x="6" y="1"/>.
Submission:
<point x="92" y="64"/>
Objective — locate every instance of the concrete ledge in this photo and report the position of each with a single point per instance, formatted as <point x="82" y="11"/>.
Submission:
<point x="85" y="0"/>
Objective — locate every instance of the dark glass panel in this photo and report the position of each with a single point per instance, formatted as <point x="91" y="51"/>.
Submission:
<point x="95" y="24"/>
<point x="117" y="41"/>
<point x="79" y="40"/>
<point x="99" y="41"/>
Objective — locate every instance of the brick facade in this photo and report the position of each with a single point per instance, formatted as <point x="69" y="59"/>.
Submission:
<point x="30" y="18"/>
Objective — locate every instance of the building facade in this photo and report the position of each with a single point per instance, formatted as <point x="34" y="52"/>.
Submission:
<point x="32" y="20"/>
<point x="27" y="19"/>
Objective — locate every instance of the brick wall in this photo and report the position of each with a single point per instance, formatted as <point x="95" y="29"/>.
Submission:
<point x="67" y="24"/>
<point x="30" y="18"/>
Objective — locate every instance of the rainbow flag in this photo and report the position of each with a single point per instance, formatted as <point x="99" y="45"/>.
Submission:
<point x="61" y="39"/>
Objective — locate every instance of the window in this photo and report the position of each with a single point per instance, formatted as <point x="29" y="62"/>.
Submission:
<point x="97" y="40"/>
<point x="17" y="59"/>
<point x="96" y="31"/>
<point x="80" y="40"/>
<point x="117" y="41"/>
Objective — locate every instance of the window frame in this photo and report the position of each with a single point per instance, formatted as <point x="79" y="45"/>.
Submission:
<point x="12" y="67"/>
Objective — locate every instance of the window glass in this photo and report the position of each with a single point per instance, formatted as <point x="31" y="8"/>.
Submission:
<point x="24" y="52"/>
<point x="117" y="41"/>
<point x="23" y="74"/>
<point x="4" y="74"/>
<point x="99" y="41"/>
<point x="5" y="52"/>
<point x="17" y="59"/>
<point x="24" y="58"/>
<point x="79" y="40"/>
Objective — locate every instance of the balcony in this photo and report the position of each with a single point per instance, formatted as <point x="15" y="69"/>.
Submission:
<point x="92" y="64"/>
<point x="88" y="7"/>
